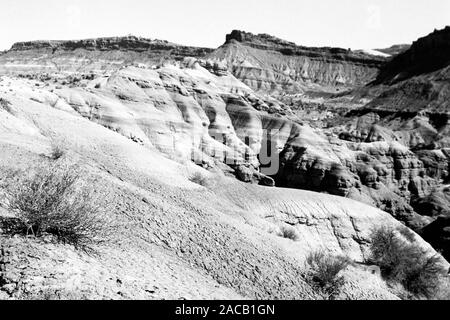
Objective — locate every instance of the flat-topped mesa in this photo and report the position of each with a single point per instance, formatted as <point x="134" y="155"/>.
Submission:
<point x="128" y="43"/>
<point x="92" y="55"/>
<point x="267" y="42"/>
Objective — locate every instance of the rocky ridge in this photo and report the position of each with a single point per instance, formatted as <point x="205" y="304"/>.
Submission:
<point x="101" y="55"/>
<point x="268" y="64"/>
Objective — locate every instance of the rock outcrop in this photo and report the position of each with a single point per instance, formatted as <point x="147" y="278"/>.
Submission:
<point x="427" y="54"/>
<point x="276" y="66"/>
<point x="100" y="55"/>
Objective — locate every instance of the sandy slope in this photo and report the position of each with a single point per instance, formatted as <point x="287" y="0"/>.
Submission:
<point x="174" y="239"/>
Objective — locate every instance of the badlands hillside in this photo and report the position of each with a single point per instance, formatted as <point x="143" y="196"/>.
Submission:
<point x="173" y="140"/>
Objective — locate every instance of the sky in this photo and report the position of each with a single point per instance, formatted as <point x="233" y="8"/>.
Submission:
<point x="356" y="24"/>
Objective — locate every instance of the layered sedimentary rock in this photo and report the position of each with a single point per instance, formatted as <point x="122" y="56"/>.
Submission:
<point x="216" y="110"/>
<point x="272" y="65"/>
<point x="97" y="55"/>
<point x="408" y="105"/>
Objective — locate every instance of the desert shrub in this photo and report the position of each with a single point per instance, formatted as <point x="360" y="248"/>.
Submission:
<point x="55" y="201"/>
<point x="5" y="105"/>
<point x="199" y="178"/>
<point x="57" y="151"/>
<point x="407" y="233"/>
<point x="324" y="271"/>
<point x="405" y="263"/>
<point x="288" y="233"/>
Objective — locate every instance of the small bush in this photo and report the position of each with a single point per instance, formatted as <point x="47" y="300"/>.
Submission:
<point x="288" y="233"/>
<point x="5" y="105"/>
<point x="199" y="178"/>
<point x="57" y="151"/>
<point x="405" y="263"/>
<point x="407" y="233"/>
<point x="55" y="201"/>
<point x="324" y="271"/>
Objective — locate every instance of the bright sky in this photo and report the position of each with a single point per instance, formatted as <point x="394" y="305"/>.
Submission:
<point x="345" y="23"/>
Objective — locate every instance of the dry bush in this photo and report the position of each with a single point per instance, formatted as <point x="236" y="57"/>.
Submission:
<point x="407" y="233"/>
<point x="5" y="105"/>
<point x="288" y="233"/>
<point x="55" y="200"/>
<point x="405" y="263"/>
<point x="199" y="178"/>
<point x="324" y="271"/>
<point x="57" y="151"/>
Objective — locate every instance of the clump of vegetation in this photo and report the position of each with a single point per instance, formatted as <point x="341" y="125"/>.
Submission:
<point x="288" y="233"/>
<point x="199" y="178"/>
<point x="5" y="105"/>
<point x="405" y="263"/>
<point x="407" y="233"/>
<point x="57" y="151"/>
<point x="54" y="200"/>
<point x="324" y="271"/>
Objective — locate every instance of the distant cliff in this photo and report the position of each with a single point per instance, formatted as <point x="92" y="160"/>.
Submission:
<point x="101" y="54"/>
<point x="271" y="64"/>
<point x="427" y="54"/>
<point x="130" y="43"/>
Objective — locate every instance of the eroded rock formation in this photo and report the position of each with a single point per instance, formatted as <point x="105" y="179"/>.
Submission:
<point x="268" y="64"/>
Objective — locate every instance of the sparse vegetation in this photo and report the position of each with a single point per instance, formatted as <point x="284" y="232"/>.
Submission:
<point x="5" y="105"/>
<point x="199" y="178"/>
<point x="57" y="151"/>
<point x="54" y="201"/>
<point x="407" y="233"/>
<point x="324" y="271"/>
<point x="403" y="262"/>
<point x="288" y="233"/>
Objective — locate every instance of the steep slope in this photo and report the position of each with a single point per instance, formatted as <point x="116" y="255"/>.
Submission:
<point x="427" y="54"/>
<point x="174" y="239"/>
<point x="272" y="65"/>
<point x="408" y="105"/>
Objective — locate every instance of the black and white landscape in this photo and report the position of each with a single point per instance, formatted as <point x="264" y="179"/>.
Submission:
<point x="135" y="168"/>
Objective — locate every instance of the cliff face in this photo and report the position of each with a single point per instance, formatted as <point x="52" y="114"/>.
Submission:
<point x="273" y="65"/>
<point x="417" y="80"/>
<point x="263" y="62"/>
<point x="97" y="55"/>
<point x="427" y="54"/>
<point x="129" y="43"/>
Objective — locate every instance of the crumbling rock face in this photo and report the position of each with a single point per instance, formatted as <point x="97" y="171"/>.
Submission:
<point x="269" y="64"/>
